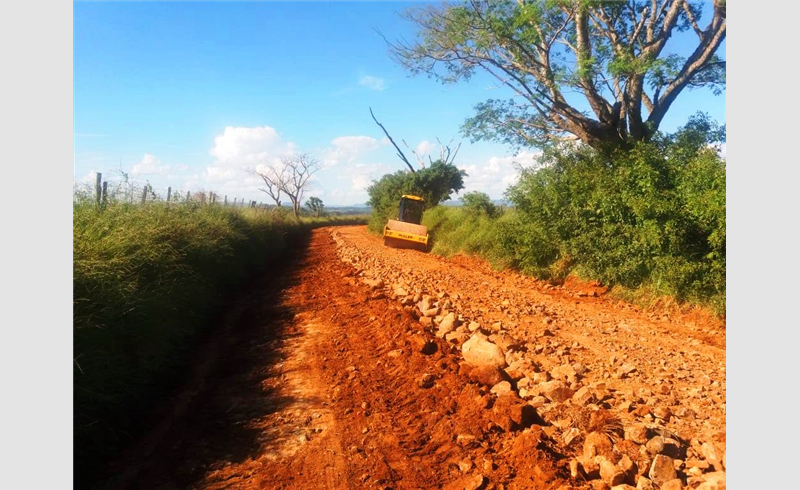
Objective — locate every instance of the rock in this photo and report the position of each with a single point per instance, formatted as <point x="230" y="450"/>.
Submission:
<point x="511" y="413"/>
<point x="624" y="486"/>
<point x="655" y="445"/>
<point x="555" y="391"/>
<point x="609" y="472"/>
<point x="573" y="468"/>
<point x="537" y="401"/>
<point x="539" y="378"/>
<point x="590" y="468"/>
<point x="430" y="312"/>
<point x="599" y="485"/>
<point x="478" y="351"/>
<point x="425" y="304"/>
<point x="636" y="433"/>
<point x="664" y="445"/>
<point x="713" y="455"/>
<point x="469" y="482"/>
<point x="570" y="435"/>
<point x="504" y="341"/>
<point x="626" y="369"/>
<point x="710" y="486"/>
<point x="662" y="470"/>
<point x="675" y="484"/>
<point x="485" y="375"/>
<point x="447" y="325"/>
<point x="466" y="440"/>
<point x="456" y="338"/>
<point x="644" y="484"/>
<point x="597" y="444"/>
<point x="425" y="321"/>
<point x="474" y="326"/>
<point x="627" y="465"/>
<point x="501" y="388"/>
<point x="664" y="413"/>
<point x="583" y="396"/>
<point x="516" y="370"/>
<point x="564" y="373"/>
<point x="373" y="283"/>
<point x="426" y="381"/>
<point x="465" y="465"/>
<point x="713" y="481"/>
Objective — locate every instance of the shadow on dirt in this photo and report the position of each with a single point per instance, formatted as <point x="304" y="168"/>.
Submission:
<point x="214" y="418"/>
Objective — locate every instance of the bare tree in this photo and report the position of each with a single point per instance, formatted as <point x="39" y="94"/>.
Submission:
<point x="274" y="177"/>
<point x="298" y="171"/>
<point x="399" y="151"/>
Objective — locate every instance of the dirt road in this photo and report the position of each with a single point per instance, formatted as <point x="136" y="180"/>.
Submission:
<point x="385" y="368"/>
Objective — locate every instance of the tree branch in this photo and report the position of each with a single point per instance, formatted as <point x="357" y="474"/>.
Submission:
<point x="399" y="151"/>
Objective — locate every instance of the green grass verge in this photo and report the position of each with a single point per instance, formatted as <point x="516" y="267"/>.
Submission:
<point x="146" y="281"/>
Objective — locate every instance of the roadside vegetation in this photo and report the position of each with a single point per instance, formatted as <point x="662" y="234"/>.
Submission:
<point x="649" y="221"/>
<point x="147" y="279"/>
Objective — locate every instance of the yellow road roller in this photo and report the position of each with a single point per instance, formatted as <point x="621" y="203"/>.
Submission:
<point x="406" y="231"/>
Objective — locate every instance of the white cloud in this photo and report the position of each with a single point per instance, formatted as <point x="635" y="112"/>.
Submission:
<point x="239" y="148"/>
<point x="150" y="165"/>
<point x="425" y="148"/>
<point x="497" y="173"/>
<point x="89" y="178"/>
<point x="373" y="83"/>
<point x="360" y="182"/>
<point x="345" y="149"/>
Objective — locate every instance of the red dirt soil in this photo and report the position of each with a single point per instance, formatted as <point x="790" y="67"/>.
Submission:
<point x="336" y="380"/>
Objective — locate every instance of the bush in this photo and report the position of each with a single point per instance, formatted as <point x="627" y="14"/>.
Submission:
<point x="479" y="203"/>
<point x="434" y="183"/>
<point x="650" y="218"/>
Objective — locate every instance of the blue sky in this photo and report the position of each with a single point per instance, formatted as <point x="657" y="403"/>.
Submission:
<point x="189" y="94"/>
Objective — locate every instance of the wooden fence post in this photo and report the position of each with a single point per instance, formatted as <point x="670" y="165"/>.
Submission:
<point x="144" y="194"/>
<point x="105" y="193"/>
<point x="188" y="194"/>
<point x="97" y="189"/>
<point x="226" y="201"/>
<point x="169" y="193"/>
<point x="234" y="201"/>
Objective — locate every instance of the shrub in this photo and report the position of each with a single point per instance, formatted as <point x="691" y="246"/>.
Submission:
<point x="434" y="183"/>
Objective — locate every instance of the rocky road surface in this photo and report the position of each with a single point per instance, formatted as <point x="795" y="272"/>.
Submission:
<point x="387" y="368"/>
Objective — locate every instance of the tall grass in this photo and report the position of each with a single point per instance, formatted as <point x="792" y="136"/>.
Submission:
<point x="146" y="281"/>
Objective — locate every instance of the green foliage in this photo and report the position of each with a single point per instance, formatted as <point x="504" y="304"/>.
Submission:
<point x="434" y="184"/>
<point x="651" y="218"/>
<point x="145" y="280"/>
<point x="469" y="230"/>
<point x="314" y="204"/>
<point x="479" y="203"/>
<point x="549" y="51"/>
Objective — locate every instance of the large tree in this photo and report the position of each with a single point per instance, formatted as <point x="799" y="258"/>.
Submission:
<point x="552" y="53"/>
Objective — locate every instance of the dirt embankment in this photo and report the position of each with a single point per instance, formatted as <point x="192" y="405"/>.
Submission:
<point x="384" y="368"/>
